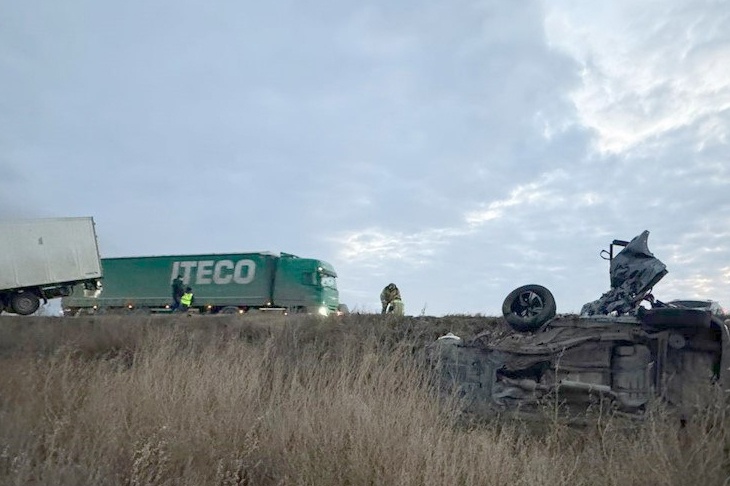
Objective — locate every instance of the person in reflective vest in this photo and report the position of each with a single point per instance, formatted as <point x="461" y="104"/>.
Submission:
<point x="187" y="299"/>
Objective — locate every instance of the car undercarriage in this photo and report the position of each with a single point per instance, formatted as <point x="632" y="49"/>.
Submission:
<point x="618" y="354"/>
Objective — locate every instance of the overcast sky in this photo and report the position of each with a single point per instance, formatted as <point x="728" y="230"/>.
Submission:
<point x="457" y="148"/>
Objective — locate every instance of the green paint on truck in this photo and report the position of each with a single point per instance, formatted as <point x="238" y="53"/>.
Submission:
<point x="219" y="281"/>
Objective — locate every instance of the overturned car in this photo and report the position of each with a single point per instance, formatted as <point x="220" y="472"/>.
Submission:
<point x="623" y="351"/>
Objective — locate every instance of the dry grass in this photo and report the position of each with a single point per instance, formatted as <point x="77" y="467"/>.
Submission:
<point x="278" y="401"/>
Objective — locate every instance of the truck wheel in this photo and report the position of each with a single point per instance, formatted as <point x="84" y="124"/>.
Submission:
<point x="25" y="303"/>
<point x="528" y="307"/>
<point x="229" y="309"/>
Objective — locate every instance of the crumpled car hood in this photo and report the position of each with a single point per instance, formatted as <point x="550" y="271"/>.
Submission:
<point x="634" y="271"/>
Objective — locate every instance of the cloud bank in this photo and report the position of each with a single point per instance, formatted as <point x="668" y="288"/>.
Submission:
<point x="458" y="150"/>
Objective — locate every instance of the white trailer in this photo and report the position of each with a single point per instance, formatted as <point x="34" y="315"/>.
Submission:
<point x="42" y="259"/>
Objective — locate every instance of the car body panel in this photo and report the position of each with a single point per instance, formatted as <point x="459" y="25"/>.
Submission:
<point x="584" y="360"/>
<point x="710" y="305"/>
<point x="617" y="353"/>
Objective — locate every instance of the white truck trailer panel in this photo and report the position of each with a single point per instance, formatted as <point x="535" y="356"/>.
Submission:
<point x="46" y="251"/>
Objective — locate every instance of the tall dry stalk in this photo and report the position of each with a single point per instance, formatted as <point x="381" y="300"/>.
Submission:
<point x="292" y="401"/>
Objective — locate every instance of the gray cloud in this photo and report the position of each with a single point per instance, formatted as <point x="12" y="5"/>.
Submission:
<point x="459" y="150"/>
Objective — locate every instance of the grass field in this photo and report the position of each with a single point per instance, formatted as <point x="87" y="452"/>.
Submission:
<point x="295" y="400"/>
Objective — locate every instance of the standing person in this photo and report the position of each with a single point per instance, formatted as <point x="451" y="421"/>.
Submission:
<point x="187" y="299"/>
<point x="178" y="289"/>
<point x="391" y="300"/>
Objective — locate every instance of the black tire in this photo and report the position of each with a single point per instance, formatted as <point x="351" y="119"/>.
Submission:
<point x="25" y="303"/>
<point x="528" y="307"/>
<point x="229" y="309"/>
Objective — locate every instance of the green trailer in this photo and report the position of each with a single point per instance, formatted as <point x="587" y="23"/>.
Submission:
<point x="221" y="283"/>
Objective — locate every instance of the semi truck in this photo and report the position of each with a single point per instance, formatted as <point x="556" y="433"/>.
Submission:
<point x="43" y="259"/>
<point x="221" y="283"/>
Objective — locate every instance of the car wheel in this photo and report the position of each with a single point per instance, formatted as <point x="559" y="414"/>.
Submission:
<point x="528" y="307"/>
<point x="25" y="303"/>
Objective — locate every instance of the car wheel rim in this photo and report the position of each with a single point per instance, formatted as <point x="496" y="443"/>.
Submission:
<point x="530" y="304"/>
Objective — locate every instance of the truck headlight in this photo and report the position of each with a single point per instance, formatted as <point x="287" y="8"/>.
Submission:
<point x="323" y="311"/>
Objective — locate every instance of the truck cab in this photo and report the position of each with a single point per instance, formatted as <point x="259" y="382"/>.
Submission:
<point x="300" y="280"/>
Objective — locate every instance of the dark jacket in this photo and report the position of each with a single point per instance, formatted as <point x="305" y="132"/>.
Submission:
<point x="177" y="288"/>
